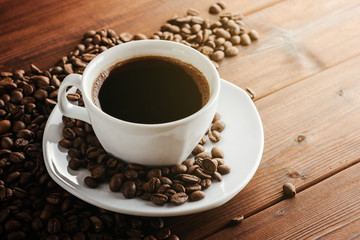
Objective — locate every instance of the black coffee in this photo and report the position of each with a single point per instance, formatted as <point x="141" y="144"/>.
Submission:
<point x="151" y="89"/>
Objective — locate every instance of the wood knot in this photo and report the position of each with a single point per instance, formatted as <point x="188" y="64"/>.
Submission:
<point x="300" y="138"/>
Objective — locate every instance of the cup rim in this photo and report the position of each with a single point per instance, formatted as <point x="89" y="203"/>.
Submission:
<point x="212" y="100"/>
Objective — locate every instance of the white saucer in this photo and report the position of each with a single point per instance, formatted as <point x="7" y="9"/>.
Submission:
<point x="242" y="141"/>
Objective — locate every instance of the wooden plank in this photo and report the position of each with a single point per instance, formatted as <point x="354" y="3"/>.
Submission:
<point x="41" y="32"/>
<point x="332" y="214"/>
<point x="297" y="39"/>
<point x="311" y="132"/>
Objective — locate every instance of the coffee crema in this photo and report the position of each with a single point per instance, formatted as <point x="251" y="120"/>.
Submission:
<point x="151" y="90"/>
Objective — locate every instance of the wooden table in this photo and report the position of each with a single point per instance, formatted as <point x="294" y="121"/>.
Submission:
<point x="305" y="71"/>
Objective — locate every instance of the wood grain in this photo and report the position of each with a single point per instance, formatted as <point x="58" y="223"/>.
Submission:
<point x="41" y="32"/>
<point x="311" y="132"/>
<point x="298" y="39"/>
<point x="328" y="210"/>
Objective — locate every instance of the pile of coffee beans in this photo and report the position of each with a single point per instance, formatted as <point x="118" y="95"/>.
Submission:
<point x="32" y="205"/>
<point x="216" y="40"/>
<point x="168" y="184"/>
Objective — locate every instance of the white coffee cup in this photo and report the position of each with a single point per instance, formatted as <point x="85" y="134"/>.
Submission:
<point x="146" y="144"/>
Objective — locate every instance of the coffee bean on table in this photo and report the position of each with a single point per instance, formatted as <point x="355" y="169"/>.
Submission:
<point x="245" y="39"/>
<point x="289" y="190"/>
<point x="214" y="9"/>
<point x="254" y="35"/>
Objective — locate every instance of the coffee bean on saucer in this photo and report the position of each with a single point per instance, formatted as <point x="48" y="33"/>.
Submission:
<point x="214" y="136"/>
<point x="196" y="196"/>
<point x="90" y="182"/>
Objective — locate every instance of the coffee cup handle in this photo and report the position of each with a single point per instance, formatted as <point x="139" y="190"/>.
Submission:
<point x="67" y="108"/>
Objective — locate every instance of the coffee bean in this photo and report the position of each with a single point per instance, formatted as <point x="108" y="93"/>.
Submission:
<point x="7" y="142"/>
<point x="65" y="143"/>
<point x="125" y="36"/>
<point x="289" y="190"/>
<point x="128" y="189"/>
<point x="54" y="198"/>
<point x="73" y="96"/>
<point x="36" y="224"/>
<point x="192" y="169"/>
<point x="74" y="153"/>
<point x="165" y="180"/>
<point x="115" y="182"/>
<point x="222" y="33"/>
<point x="155" y="172"/>
<point x="69" y="133"/>
<point x="153" y="184"/>
<point x="217" y="152"/>
<point x="5" y="125"/>
<point x="97" y="223"/>
<point x="12" y="177"/>
<point x="254" y="35"/>
<point x="218" y="56"/>
<point x="231" y="51"/>
<point x="218" y="126"/>
<point x="203" y="155"/>
<point x="205" y="183"/>
<point x="245" y="39"/>
<point x="235" y="40"/>
<point x="236" y="220"/>
<point x="192" y="188"/>
<point x="203" y="140"/>
<point x="41" y="81"/>
<point x="140" y="36"/>
<point x="17" y="235"/>
<point x="224" y="169"/>
<point x="214" y="9"/>
<point x="98" y="172"/>
<point x="217" y="176"/>
<point x="12" y="225"/>
<point x="202" y="174"/>
<point x="178" y="168"/>
<point x="159" y="198"/>
<point x="192" y="12"/>
<point x="17" y="157"/>
<point x="53" y="225"/>
<point x="19" y="192"/>
<point x="214" y="136"/>
<point x="198" y="149"/>
<point x="90" y="182"/>
<point x="196" y="196"/>
<point x="209" y="165"/>
<point x="188" y="178"/>
<point x="188" y="162"/>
